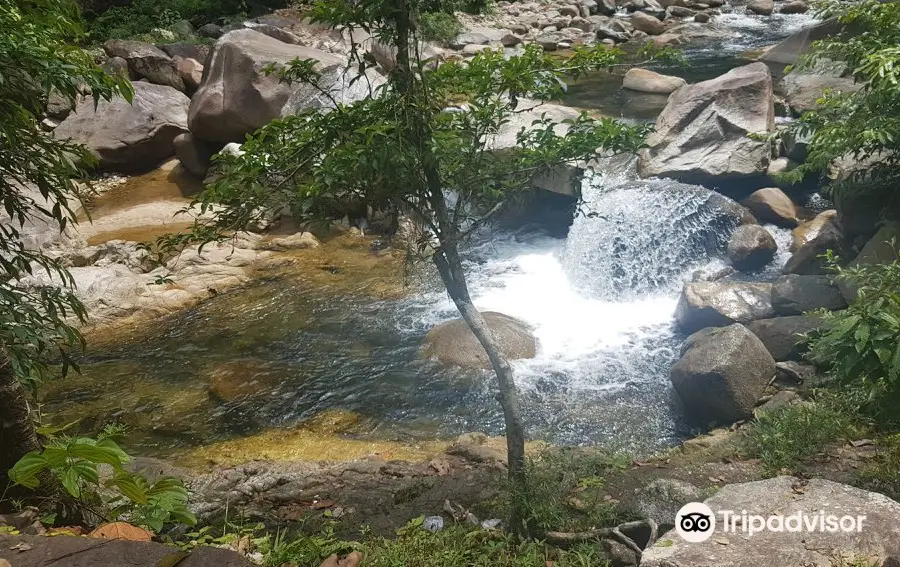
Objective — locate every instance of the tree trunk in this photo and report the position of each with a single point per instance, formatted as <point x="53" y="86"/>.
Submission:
<point x="449" y="265"/>
<point x="17" y="435"/>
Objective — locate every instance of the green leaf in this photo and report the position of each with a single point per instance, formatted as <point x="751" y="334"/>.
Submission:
<point x="97" y="453"/>
<point x="127" y="484"/>
<point x="69" y="479"/>
<point x="25" y="472"/>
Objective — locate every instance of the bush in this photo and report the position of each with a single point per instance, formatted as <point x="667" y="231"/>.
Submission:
<point x="786" y="437"/>
<point x="860" y="346"/>
<point x="440" y="27"/>
<point x="139" y="17"/>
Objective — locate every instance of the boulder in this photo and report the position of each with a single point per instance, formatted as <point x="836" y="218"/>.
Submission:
<point x="146" y="61"/>
<point x="646" y="81"/>
<point x="751" y="247"/>
<point x="702" y="134"/>
<point x="676" y="11"/>
<point x="807" y="259"/>
<point x="701" y="17"/>
<point x="116" y="66"/>
<point x="197" y="51"/>
<point x="770" y="204"/>
<point x="803" y="90"/>
<point x="237" y="97"/>
<point x="647" y="23"/>
<point x="274" y="32"/>
<point x="606" y="7"/>
<point x="783" y="336"/>
<point x="761" y="7"/>
<point x="90" y="552"/>
<point x="191" y="72"/>
<point x="721" y="303"/>
<point x="607" y="31"/>
<point x="795" y="7"/>
<point x="785" y="496"/>
<point x="795" y="294"/>
<point x="721" y="375"/>
<point x="661" y="499"/>
<point x="453" y="343"/>
<point x="211" y="31"/>
<point x="880" y="249"/>
<point x="194" y="154"/>
<point x="790" y="49"/>
<point x="129" y="137"/>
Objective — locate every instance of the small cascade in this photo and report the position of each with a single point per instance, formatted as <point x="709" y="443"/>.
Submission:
<point x="643" y="237"/>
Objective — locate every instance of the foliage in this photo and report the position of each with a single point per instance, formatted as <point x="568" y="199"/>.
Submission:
<point x="76" y="462"/>
<point x="136" y="18"/>
<point x="784" y="438"/>
<point x="860" y="346"/>
<point x="38" y="173"/>
<point x="882" y="474"/>
<point x="565" y="492"/>
<point x="440" y="27"/>
<point x="865" y="124"/>
<point x="454" y="546"/>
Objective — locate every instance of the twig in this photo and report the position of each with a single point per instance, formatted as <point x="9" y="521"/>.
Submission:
<point x="563" y="538"/>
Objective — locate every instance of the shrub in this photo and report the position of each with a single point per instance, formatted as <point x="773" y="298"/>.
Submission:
<point x="860" y="346"/>
<point x="786" y="437"/>
<point x="440" y="27"/>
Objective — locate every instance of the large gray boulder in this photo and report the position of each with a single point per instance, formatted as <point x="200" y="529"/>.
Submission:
<point x="648" y="24"/>
<point x="761" y="7"/>
<point x="784" y="496"/>
<point x="454" y="344"/>
<point x="794" y="294"/>
<point x="784" y="336"/>
<point x="721" y="303"/>
<point x="146" y="61"/>
<point x="791" y="48"/>
<point x="129" y="137"/>
<point x="751" y="247"/>
<point x="238" y="97"/>
<point x="721" y="375"/>
<point x="803" y="90"/>
<point x="880" y="249"/>
<point x="702" y="134"/>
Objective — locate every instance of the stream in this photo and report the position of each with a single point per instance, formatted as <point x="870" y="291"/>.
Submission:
<point x="345" y="333"/>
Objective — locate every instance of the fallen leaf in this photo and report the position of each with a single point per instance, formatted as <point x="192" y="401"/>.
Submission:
<point x="322" y="504"/>
<point x="121" y="530"/>
<point x="66" y="531"/>
<point x="22" y="546"/>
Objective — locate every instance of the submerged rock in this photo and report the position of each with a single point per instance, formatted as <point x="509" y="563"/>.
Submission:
<point x="785" y="496"/>
<point x="453" y="343"/>
<point x="722" y="374"/>
<point x="721" y="303"/>
<point x="751" y="247"/>
<point x="702" y="134"/>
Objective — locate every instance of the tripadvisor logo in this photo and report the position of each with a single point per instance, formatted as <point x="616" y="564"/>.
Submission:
<point x="696" y="522"/>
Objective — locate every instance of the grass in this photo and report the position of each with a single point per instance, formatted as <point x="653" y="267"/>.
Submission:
<point x="454" y="546"/>
<point x="440" y="27"/>
<point x="565" y="490"/>
<point x="785" y="438"/>
<point x="882" y="474"/>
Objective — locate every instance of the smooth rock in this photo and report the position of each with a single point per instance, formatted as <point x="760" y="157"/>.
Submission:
<point x="212" y="31"/>
<point x="794" y="7"/>
<point x="761" y="7"/>
<point x="880" y="249"/>
<point x="808" y="259"/>
<point x="721" y="375"/>
<point x="702" y="134"/>
<point x="751" y="247"/>
<point x="771" y="204"/>
<point x="646" y="81"/>
<point x="194" y="154"/>
<point x="721" y="303"/>
<point x="803" y="90"/>
<point x="188" y="50"/>
<point x="191" y="72"/>
<point x="146" y="61"/>
<point x="783" y="335"/>
<point x="129" y="137"/>
<point x="453" y="343"/>
<point x="795" y="294"/>
<point x="785" y="496"/>
<point x="647" y="23"/>
<point x="808" y="230"/>
<point x="797" y="44"/>
<point x="298" y="241"/>
<point x="662" y="498"/>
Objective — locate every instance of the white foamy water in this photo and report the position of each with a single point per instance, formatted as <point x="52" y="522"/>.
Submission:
<point x="750" y="30"/>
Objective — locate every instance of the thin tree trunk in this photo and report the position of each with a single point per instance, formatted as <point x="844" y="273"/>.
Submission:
<point x="450" y="268"/>
<point x="17" y="435"/>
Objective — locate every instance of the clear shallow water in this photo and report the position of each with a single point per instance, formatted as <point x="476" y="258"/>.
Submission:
<point x="601" y="303"/>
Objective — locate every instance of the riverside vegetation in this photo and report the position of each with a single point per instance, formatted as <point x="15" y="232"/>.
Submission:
<point x="77" y="479"/>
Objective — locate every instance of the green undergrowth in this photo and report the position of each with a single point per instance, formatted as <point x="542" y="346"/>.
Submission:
<point x="454" y="546"/>
<point x="882" y="474"/>
<point x="786" y="438"/>
<point x="566" y="490"/>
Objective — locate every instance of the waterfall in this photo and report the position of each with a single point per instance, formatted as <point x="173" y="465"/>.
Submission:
<point x="639" y="237"/>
